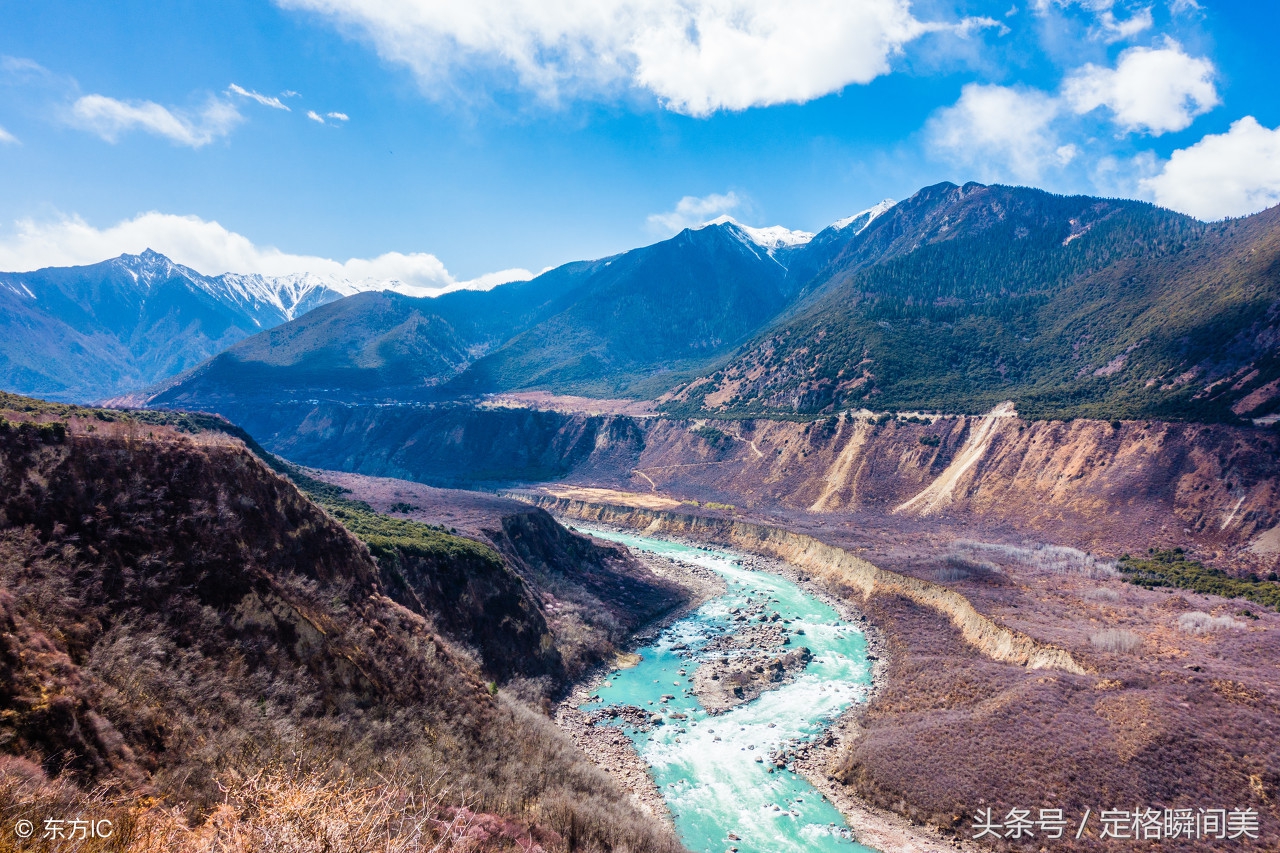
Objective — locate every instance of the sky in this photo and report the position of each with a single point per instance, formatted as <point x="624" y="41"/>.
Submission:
<point x="446" y="144"/>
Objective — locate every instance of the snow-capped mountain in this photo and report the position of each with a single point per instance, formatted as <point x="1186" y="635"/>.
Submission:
<point x="860" y="220"/>
<point x="290" y="295"/>
<point x="80" y="333"/>
<point x="96" y="331"/>
<point x="770" y="238"/>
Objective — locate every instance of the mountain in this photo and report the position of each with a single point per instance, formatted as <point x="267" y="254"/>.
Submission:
<point x="630" y="324"/>
<point x="79" y="333"/>
<point x="962" y="297"/>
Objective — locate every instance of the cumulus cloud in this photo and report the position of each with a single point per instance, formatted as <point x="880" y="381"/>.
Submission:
<point x="697" y="56"/>
<point x="265" y="100"/>
<point x="7" y="138"/>
<point x="315" y="116"/>
<point x="692" y="211"/>
<point x="338" y="116"/>
<point x="109" y="118"/>
<point x="210" y="248"/>
<point x="1225" y="174"/>
<point x="1154" y="90"/>
<point x="1001" y="132"/>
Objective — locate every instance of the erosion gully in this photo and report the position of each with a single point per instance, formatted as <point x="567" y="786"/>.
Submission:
<point x="717" y="773"/>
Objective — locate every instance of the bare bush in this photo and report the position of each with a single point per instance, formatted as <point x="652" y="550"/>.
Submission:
<point x="1197" y="622"/>
<point x="1101" y="594"/>
<point x="970" y="565"/>
<point x="1116" y="641"/>
<point x="1055" y="559"/>
<point x="948" y="574"/>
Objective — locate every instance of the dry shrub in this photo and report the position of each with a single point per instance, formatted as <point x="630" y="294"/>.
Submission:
<point x="283" y="810"/>
<point x="175" y="616"/>
<point x="1055" y="559"/>
<point x="1102" y="594"/>
<point x="1197" y="622"/>
<point x="1116" y="641"/>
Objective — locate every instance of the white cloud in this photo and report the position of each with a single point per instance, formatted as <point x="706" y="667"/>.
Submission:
<point x="697" y="56"/>
<point x="692" y="211"/>
<point x="339" y="116"/>
<point x="1112" y="29"/>
<point x="1107" y="26"/>
<point x="315" y="116"/>
<point x="1151" y="89"/>
<point x="493" y="279"/>
<point x="1225" y="174"/>
<point x="265" y="100"/>
<point x="1002" y="133"/>
<point x="210" y="248"/>
<point x="7" y="138"/>
<point x="109" y="118"/>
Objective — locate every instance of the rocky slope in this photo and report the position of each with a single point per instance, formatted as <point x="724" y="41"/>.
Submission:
<point x="178" y="617"/>
<point x="1108" y="486"/>
<point x="590" y="595"/>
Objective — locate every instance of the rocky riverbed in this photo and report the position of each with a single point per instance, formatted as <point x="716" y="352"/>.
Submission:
<point x="599" y="733"/>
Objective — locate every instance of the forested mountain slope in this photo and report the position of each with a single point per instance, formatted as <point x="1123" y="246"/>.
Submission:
<point x="627" y="324"/>
<point x="962" y="297"/>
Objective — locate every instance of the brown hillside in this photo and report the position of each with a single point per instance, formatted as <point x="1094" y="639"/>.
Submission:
<point x="187" y="634"/>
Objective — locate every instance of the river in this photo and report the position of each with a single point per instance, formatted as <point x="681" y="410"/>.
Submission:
<point x="720" y="795"/>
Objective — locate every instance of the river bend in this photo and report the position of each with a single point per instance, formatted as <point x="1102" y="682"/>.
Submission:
<point x="718" y="774"/>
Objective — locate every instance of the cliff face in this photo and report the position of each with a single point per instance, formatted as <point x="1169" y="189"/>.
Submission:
<point x="574" y="600"/>
<point x="1109" y="486"/>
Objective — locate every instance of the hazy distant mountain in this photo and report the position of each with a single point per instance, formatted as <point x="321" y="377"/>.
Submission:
<point x="632" y="323"/>
<point x="81" y="333"/>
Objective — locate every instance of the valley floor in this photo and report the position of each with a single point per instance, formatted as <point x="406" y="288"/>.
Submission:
<point x="1173" y="701"/>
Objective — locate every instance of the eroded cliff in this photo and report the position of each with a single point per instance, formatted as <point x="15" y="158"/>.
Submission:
<point x="1105" y="486"/>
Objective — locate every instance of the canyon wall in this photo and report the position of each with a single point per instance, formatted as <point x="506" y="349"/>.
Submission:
<point x="1105" y="486"/>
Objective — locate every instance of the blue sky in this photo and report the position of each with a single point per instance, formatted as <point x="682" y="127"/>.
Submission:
<point x="461" y="139"/>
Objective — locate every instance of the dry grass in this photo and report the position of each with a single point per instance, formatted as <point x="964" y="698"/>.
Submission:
<point x="282" y="810"/>
<point x="1102" y="594"/>
<point x="174" y="618"/>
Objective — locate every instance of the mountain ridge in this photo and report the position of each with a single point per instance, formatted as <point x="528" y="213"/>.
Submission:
<point x="80" y="333"/>
<point x="963" y="297"/>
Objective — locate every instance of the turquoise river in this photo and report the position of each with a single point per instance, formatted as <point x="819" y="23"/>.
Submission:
<point x="706" y="767"/>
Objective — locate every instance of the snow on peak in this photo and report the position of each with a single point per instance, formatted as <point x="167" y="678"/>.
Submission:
<point x="150" y="267"/>
<point x="863" y="218"/>
<point x="771" y="238"/>
<point x="293" y="294"/>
